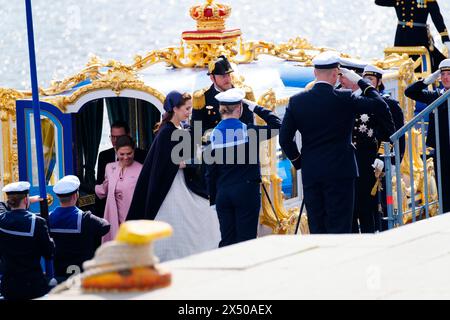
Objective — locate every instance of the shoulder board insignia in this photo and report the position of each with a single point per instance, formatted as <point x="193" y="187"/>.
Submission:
<point x="249" y="95"/>
<point x="199" y="100"/>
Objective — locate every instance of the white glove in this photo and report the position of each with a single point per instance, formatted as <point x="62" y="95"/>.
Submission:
<point x="378" y="165"/>
<point x="350" y="75"/>
<point x="432" y="77"/>
<point x="447" y="44"/>
<point x="251" y="104"/>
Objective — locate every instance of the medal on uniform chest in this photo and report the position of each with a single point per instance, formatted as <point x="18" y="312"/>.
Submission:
<point x="209" y="108"/>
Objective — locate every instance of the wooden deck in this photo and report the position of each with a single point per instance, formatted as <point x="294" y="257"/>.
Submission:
<point x="412" y="262"/>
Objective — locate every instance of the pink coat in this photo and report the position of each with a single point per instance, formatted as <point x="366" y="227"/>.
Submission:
<point x="118" y="189"/>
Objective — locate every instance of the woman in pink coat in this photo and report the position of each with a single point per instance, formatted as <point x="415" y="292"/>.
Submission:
<point x="118" y="187"/>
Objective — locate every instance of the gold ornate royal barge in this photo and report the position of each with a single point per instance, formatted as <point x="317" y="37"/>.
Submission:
<point x="273" y="71"/>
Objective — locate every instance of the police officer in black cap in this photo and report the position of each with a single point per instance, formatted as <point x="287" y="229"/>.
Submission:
<point x="76" y="233"/>
<point x="206" y="113"/>
<point x="325" y="117"/>
<point x="205" y="104"/>
<point x="412" y="28"/>
<point x="24" y="239"/>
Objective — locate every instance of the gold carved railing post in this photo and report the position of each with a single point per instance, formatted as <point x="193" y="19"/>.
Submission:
<point x="8" y="99"/>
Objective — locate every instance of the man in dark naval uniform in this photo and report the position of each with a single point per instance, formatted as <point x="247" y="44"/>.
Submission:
<point x="76" y="233"/>
<point x="24" y="239"/>
<point x="325" y="118"/>
<point x="368" y="132"/>
<point x="418" y="91"/>
<point x="205" y="104"/>
<point x="206" y="113"/>
<point x="412" y="28"/>
<point x="375" y="75"/>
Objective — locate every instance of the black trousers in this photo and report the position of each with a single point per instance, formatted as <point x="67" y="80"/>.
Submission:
<point x="23" y="287"/>
<point x="365" y="204"/>
<point x="330" y="206"/>
<point x="238" y="209"/>
<point x="381" y="222"/>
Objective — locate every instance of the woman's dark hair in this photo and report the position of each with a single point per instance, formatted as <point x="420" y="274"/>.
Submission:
<point x="167" y="116"/>
<point x="125" y="141"/>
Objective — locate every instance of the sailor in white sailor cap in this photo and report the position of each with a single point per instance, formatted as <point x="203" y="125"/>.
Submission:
<point x="24" y="239"/>
<point x="419" y="91"/>
<point x="233" y="166"/>
<point x="76" y="233"/>
<point x="324" y="117"/>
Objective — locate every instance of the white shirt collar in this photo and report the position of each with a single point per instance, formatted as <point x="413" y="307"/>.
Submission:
<point x="357" y="93"/>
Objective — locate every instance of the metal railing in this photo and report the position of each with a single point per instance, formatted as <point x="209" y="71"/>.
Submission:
<point x="395" y="210"/>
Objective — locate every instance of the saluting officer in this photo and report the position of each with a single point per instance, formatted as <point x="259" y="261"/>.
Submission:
<point x="375" y="76"/>
<point x="366" y="137"/>
<point x="418" y="92"/>
<point x="205" y="104"/>
<point x="325" y="118"/>
<point x="412" y="28"/>
<point x="76" y="233"/>
<point x="24" y="239"/>
<point x="233" y="174"/>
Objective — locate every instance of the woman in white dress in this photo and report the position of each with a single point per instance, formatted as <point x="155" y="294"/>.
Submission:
<point x="163" y="194"/>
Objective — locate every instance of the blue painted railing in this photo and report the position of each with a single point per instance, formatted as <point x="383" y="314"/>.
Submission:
<point x="395" y="216"/>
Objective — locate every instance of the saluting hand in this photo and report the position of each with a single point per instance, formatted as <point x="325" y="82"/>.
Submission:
<point x="251" y="104"/>
<point x="432" y="77"/>
<point x="350" y="75"/>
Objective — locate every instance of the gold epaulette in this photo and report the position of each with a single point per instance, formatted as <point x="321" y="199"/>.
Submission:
<point x="381" y="149"/>
<point x="199" y="100"/>
<point x="249" y="95"/>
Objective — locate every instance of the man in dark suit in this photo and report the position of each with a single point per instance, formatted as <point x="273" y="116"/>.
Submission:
<point x="205" y="104"/>
<point x="118" y="129"/>
<point x="412" y="28"/>
<point x="325" y="117"/>
<point x="418" y="91"/>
